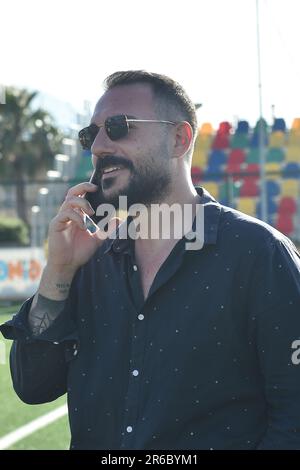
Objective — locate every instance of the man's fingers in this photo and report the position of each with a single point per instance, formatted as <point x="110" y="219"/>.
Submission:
<point x="80" y="189"/>
<point x="66" y="216"/>
<point x="78" y="202"/>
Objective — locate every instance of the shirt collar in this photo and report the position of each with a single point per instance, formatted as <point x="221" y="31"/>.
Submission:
<point x="122" y="243"/>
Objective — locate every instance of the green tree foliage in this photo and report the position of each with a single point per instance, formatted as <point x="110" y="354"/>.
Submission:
<point x="13" y="232"/>
<point x="29" y="140"/>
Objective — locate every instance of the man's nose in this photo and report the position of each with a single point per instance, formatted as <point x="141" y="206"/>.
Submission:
<point x="102" y="144"/>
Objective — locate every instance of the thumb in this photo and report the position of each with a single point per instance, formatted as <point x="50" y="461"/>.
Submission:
<point x="110" y="229"/>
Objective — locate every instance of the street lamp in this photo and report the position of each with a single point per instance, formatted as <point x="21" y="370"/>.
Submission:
<point x="43" y="193"/>
<point x="35" y="210"/>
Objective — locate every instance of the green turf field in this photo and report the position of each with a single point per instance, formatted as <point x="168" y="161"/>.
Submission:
<point x="14" y="413"/>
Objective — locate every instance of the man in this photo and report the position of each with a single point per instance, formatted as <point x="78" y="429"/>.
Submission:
<point x="159" y="346"/>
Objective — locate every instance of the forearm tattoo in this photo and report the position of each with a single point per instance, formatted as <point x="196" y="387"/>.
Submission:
<point x="43" y="313"/>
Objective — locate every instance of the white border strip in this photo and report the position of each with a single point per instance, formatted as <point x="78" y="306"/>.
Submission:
<point x="24" y="431"/>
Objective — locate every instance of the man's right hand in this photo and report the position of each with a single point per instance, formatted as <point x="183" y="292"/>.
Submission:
<point x="70" y="244"/>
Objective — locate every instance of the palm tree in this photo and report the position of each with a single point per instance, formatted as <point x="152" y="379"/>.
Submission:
<point x="29" y="140"/>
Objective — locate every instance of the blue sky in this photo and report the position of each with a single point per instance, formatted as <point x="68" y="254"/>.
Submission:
<point x="66" y="48"/>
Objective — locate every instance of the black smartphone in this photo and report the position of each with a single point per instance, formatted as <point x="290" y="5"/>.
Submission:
<point x="95" y="198"/>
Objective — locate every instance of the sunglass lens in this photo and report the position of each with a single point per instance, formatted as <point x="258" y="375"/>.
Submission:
<point x="87" y="136"/>
<point x="116" y="127"/>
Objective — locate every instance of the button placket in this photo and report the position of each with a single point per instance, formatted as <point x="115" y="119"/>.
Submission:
<point x="135" y="374"/>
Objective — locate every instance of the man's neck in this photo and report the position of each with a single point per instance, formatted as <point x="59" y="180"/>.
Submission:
<point x="165" y="234"/>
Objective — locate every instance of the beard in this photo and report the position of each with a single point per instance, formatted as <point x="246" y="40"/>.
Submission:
<point x="148" y="183"/>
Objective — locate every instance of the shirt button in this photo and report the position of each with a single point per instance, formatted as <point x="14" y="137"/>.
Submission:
<point x="129" y="429"/>
<point x="135" y="373"/>
<point x="141" y="316"/>
<point x="55" y="342"/>
<point x="135" y="268"/>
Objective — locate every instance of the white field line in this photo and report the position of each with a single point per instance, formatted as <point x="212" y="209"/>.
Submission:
<point x="38" y="423"/>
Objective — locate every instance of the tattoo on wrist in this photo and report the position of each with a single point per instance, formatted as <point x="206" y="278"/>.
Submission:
<point x="63" y="288"/>
<point x="43" y="314"/>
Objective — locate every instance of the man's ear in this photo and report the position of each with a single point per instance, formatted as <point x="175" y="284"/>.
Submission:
<point x="182" y="139"/>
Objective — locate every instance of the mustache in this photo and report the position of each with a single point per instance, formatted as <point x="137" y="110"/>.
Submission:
<point x="112" y="160"/>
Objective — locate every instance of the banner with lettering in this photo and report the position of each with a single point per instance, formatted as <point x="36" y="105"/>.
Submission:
<point x="20" y="272"/>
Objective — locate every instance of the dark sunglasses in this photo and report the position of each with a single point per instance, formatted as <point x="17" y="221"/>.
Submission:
<point x="116" y="128"/>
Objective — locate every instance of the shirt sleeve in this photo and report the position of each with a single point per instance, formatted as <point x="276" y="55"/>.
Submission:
<point x="275" y="314"/>
<point x="39" y="365"/>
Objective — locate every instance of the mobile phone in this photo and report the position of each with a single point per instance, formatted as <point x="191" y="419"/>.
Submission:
<point x="95" y="198"/>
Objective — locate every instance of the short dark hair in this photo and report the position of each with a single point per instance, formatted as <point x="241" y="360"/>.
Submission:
<point x="171" y="96"/>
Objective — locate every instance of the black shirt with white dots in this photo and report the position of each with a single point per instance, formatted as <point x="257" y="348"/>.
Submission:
<point x="208" y="361"/>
